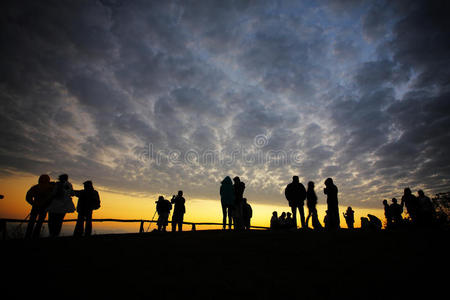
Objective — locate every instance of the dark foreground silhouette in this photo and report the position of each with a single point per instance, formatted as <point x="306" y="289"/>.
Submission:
<point x="345" y="264"/>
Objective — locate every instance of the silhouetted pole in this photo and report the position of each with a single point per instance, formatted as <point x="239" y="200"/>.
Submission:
<point x="141" y="229"/>
<point x="193" y="226"/>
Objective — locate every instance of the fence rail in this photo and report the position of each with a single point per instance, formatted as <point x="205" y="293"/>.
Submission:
<point x="142" y="222"/>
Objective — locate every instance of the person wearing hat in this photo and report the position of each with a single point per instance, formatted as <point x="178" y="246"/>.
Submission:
<point x="88" y="200"/>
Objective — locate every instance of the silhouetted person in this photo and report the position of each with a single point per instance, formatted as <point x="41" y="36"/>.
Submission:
<point x="274" y="221"/>
<point x="60" y="205"/>
<point x="282" y="220"/>
<point x="88" y="200"/>
<point x="39" y="197"/>
<point x="247" y="213"/>
<point x="387" y="213"/>
<point x="425" y="209"/>
<point x="375" y="222"/>
<point x="289" y="222"/>
<point x="332" y="202"/>
<point x="349" y="216"/>
<point x="365" y="224"/>
<point x="396" y="211"/>
<point x="311" y="201"/>
<point x="325" y="220"/>
<point x="163" y="207"/>
<point x="227" y="201"/>
<point x="178" y="211"/>
<point x="410" y="201"/>
<point x="295" y="194"/>
<point x="239" y="188"/>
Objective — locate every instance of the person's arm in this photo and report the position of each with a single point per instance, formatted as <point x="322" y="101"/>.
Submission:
<point x="29" y="197"/>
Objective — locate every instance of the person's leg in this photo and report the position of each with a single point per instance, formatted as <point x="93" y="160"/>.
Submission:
<point x="224" y="215"/>
<point x="174" y="223"/>
<point x="302" y="216"/>
<point x="59" y="222"/>
<point x="37" y="229"/>
<point x="309" y="216"/>
<point x="230" y="217"/>
<point x="88" y="229"/>
<point x="51" y="224"/>
<point x="31" y="221"/>
<point x="294" y="215"/>
<point x="79" y="226"/>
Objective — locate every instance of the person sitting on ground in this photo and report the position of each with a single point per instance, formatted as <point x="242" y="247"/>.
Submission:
<point x="247" y="213"/>
<point x="163" y="207"/>
<point x="274" y="221"/>
<point x="289" y="221"/>
<point x="349" y="216"/>
<point x="282" y="220"/>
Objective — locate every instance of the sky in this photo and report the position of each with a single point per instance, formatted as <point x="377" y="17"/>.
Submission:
<point x="146" y="98"/>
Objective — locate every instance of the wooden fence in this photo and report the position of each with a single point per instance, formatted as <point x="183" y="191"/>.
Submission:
<point x="142" y="222"/>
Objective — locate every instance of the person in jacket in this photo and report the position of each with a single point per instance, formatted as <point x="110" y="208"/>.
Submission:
<point x="274" y="221"/>
<point x="349" y="217"/>
<point x="163" y="207"/>
<point x="39" y="197"/>
<point x="396" y="211"/>
<point x="411" y="204"/>
<point x="295" y="194"/>
<point x="227" y="201"/>
<point x="178" y="211"/>
<point x="60" y="205"/>
<point x="425" y="209"/>
<point x="331" y="191"/>
<point x="88" y="200"/>
<point x="387" y="213"/>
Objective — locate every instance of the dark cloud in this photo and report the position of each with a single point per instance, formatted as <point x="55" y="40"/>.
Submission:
<point x="133" y="93"/>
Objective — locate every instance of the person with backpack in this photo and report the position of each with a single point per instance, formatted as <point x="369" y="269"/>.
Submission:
<point x="295" y="194"/>
<point x="163" y="207"/>
<point x="39" y="197"/>
<point x="88" y="200"/>
<point x="60" y="205"/>
<point x="178" y="211"/>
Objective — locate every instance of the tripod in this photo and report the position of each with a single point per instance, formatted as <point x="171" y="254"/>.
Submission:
<point x="150" y="223"/>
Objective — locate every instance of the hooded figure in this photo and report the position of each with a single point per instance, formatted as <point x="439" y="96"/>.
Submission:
<point x="332" y="202"/>
<point x="227" y="201"/>
<point x="39" y="197"/>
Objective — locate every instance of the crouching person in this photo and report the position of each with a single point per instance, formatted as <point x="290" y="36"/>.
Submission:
<point x="88" y="200"/>
<point x="163" y="208"/>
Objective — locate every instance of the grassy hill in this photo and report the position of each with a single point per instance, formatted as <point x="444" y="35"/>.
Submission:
<point x="230" y="265"/>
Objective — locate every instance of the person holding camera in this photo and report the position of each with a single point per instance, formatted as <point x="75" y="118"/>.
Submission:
<point x="178" y="211"/>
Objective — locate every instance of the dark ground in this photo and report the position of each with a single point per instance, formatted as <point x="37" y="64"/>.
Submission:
<point x="229" y="265"/>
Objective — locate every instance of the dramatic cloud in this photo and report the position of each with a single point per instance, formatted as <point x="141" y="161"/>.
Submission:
<point x="155" y="96"/>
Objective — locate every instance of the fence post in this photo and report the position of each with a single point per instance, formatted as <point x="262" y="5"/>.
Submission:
<point x="141" y="229"/>
<point x="193" y="227"/>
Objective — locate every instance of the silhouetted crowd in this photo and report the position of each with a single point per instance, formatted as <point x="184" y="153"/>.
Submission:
<point x="235" y="207"/>
<point x="55" y="198"/>
<point x="164" y="206"/>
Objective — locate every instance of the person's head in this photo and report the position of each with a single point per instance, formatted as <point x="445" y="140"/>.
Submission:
<point x="295" y="179"/>
<point x="88" y="185"/>
<point x="283" y="215"/>
<point x="227" y="180"/>
<point x="160" y="198"/>
<point x="394" y="200"/>
<point x="328" y="182"/>
<point x="44" y="179"/>
<point x="180" y="193"/>
<point x="63" y="177"/>
<point x="385" y="202"/>
<point x="421" y="193"/>
<point x="236" y="179"/>
<point x="349" y="208"/>
<point x="275" y="214"/>
<point x="311" y="185"/>
<point x="407" y="191"/>
<point x="289" y="214"/>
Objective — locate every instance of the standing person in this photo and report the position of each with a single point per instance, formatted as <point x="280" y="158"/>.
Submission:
<point x="311" y="201"/>
<point x="331" y="191"/>
<point x="227" y="201"/>
<point x="178" y="211"/>
<point x="295" y="194"/>
<point x="163" y="207"/>
<point x="410" y="201"/>
<point x="39" y="197"/>
<point x="239" y="188"/>
<point x="60" y="205"/>
<point x="396" y="212"/>
<point x="349" y="216"/>
<point x="247" y="214"/>
<point x="88" y="200"/>
<point x="387" y="213"/>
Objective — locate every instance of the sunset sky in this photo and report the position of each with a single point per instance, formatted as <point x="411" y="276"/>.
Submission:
<point x="146" y="98"/>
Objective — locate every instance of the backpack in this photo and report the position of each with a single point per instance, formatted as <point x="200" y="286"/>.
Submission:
<point x="95" y="201"/>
